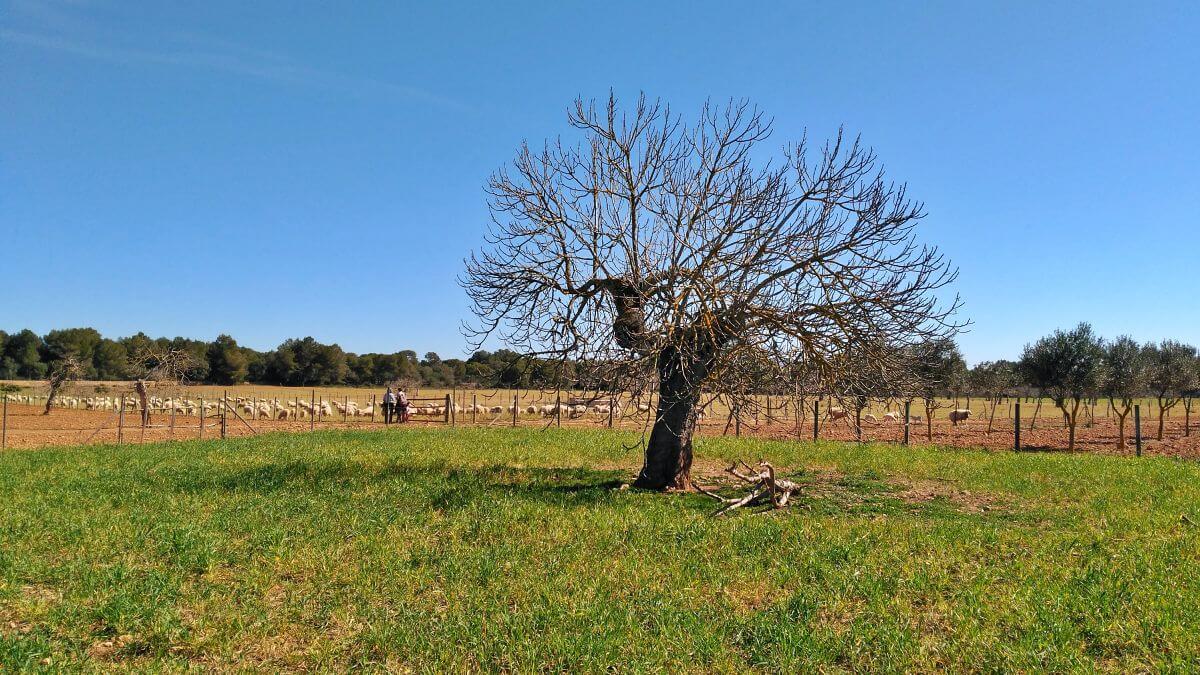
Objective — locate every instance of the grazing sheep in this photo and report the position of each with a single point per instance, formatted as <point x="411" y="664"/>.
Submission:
<point x="836" y="414"/>
<point x="959" y="415"/>
<point x="916" y="418"/>
<point x="870" y="418"/>
<point x="891" y="417"/>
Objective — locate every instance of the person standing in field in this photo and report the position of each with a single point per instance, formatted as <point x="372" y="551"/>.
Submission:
<point x="401" y="406"/>
<point x="389" y="404"/>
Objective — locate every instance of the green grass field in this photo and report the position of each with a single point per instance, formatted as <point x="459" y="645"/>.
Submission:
<point x="475" y="549"/>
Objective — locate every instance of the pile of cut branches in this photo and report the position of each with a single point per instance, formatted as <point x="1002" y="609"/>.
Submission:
<point x="763" y="486"/>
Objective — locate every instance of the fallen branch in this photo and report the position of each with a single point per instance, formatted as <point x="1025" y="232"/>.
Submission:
<point x="763" y="485"/>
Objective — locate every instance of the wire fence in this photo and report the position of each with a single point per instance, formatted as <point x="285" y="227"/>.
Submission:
<point x="211" y="412"/>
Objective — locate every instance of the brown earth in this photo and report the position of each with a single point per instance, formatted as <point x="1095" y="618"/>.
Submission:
<point x="28" y="428"/>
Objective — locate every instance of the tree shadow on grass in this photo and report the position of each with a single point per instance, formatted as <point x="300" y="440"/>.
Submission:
<point x="446" y="487"/>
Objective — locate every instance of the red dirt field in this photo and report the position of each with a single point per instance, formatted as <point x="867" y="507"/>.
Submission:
<point x="28" y="428"/>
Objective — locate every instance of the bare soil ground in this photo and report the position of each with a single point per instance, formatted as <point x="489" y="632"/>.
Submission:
<point x="1050" y="433"/>
<point x="28" y="428"/>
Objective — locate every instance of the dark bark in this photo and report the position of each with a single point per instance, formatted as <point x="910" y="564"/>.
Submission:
<point x="1162" y="413"/>
<point x="1121" y="414"/>
<point x="668" y="461"/>
<point x="144" y="400"/>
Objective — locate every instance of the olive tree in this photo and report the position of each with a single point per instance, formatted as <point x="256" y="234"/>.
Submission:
<point x="939" y="366"/>
<point x="1067" y="366"/>
<point x="671" y="247"/>
<point x="1126" y="376"/>
<point x="993" y="379"/>
<point x="1172" y="373"/>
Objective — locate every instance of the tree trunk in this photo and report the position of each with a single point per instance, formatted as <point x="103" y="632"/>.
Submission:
<point x="1121" y="428"/>
<point x="144" y="398"/>
<point x="929" y="408"/>
<point x="1161" y="414"/>
<point x="50" y="398"/>
<point x="668" y="461"/>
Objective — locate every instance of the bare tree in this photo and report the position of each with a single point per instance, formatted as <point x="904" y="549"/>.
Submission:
<point x="1126" y="376"/>
<point x="65" y="370"/>
<point x="673" y="249"/>
<point x="156" y="367"/>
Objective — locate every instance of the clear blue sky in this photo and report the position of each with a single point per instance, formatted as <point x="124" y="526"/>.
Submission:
<point x="284" y="169"/>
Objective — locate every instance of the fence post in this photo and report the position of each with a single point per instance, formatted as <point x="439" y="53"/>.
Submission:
<point x="514" y="411"/>
<point x="1137" y="428"/>
<point x="224" y="412"/>
<point x="4" y="425"/>
<point x="907" y="408"/>
<point x="345" y="407"/>
<point x="737" y="421"/>
<point x="312" y="412"/>
<point x="612" y="403"/>
<point x="558" y="409"/>
<point x="474" y="407"/>
<point x="1187" y="417"/>
<point x="200" y="410"/>
<point x="449" y="411"/>
<point x="120" y="419"/>
<point x="1017" y="427"/>
<point x="816" y="419"/>
<point x="171" y="433"/>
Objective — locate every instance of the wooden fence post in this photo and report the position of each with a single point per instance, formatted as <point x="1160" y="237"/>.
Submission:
<point x="120" y="419"/>
<point x="907" y="408"/>
<point x="1137" y="428"/>
<point x="449" y="410"/>
<point x="1017" y="427"/>
<point x="200" y="410"/>
<point x="345" y="407"/>
<point x="1187" y="417"/>
<point x="171" y="433"/>
<point x="737" y="421"/>
<point x="224" y="412"/>
<point x="558" y="409"/>
<point x="514" y="410"/>
<point x="612" y="404"/>
<point x="4" y="425"/>
<point x="474" y="407"/>
<point x="312" y="412"/>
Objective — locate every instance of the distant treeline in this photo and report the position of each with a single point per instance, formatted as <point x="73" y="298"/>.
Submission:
<point x="297" y="362"/>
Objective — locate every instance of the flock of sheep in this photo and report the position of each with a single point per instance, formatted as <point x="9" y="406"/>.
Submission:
<point x="957" y="415"/>
<point x="298" y="409"/>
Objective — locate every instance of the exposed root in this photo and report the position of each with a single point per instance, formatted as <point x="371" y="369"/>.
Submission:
<point x="764" y="488"/>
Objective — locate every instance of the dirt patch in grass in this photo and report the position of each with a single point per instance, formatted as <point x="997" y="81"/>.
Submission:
<point x="928" y="490"/>
<point x="829" y="488"/>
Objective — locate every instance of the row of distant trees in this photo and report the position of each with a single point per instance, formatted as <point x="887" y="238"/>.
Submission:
<point x="25" y="355"/>
<point x="1074" y="367"/>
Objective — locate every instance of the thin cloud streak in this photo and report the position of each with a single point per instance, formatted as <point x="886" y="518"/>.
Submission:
<point x="249" y="63"/>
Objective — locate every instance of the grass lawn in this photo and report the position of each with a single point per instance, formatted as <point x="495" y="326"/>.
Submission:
<point x="500" y="549"/>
